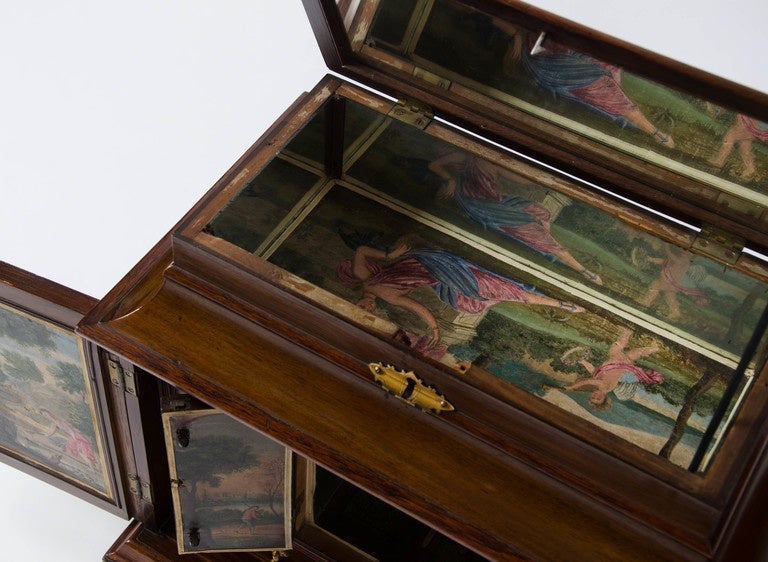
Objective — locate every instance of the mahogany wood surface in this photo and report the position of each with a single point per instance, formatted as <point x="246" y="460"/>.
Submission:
<point x="41" y="297"/>
<point x="493" y="503"/>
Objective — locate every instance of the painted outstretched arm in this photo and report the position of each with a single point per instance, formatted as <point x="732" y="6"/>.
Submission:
<point x="359" y="261"/>
<point x="441" y="167"/>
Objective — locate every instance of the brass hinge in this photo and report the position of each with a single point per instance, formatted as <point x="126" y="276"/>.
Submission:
<point x="139" y="489"/>
<point x="413" y="112"/>
<point x="719" y="244"/>
<point x="123" y="379"/>
<point x="431" y="78"/>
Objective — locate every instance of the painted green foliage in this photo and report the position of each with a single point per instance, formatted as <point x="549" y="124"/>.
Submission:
<point x="48" y="416"/>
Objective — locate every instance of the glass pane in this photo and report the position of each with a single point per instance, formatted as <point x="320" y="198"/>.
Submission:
<point x="392" y="20"/>
<point x="260" y="207"/>
<point x="536" y="282"/>
<point x="723" y="150"/>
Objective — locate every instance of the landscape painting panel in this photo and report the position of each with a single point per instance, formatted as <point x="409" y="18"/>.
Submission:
<point x="48" y="416"/>
<point x="231" y="484"/>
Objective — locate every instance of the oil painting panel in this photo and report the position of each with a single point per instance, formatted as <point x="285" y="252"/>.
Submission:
<point x="231" y="484"/>
<point x="48" y="413"/>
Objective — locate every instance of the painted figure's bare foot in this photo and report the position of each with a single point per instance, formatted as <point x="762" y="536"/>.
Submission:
<point x="570" y="307"/>
<point x="594" y="277"/>
<point x="716" y="162"/>
<point x="663" y="138"/>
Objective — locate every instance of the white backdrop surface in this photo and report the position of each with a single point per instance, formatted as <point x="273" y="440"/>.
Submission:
<point x="116" y="117"/>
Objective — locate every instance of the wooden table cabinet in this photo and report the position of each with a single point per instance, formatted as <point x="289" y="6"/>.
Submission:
<point x="499" y="280"/>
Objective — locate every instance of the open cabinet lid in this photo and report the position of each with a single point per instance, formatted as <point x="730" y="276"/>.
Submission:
<point x="620" y="118"/>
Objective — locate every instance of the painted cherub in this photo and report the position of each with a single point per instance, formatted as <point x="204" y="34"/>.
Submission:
<point x="744" y="131"/>
<point x="674" y="265"/>
<point x="619" y="367"/>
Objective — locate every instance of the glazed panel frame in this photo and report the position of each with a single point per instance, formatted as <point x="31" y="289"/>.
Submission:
<point x="681" y="195"/>
<point x="196" y="229"/>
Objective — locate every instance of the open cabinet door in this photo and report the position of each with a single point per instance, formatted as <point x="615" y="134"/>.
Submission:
<point x="54" y="419"/>
<point x="231" y="484"/>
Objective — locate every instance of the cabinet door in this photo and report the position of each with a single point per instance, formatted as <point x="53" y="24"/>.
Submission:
<point x="231" y="484"/>
<point x="54" y="420"/>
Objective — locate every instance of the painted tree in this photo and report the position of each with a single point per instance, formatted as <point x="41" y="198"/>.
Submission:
<point x="25" y="331"/>
<point x="209" y="458"/>
<point x="69" y="376"/>
<point x="275" y="469"/>
<point x="21" y="367"/>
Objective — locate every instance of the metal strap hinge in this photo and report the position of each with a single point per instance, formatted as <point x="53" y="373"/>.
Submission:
<point x="744" y="207"/>
<point x="123" y="379"/>
<point x="413" y="112"/>
<point x="719" y="244"/>
<point x="139" y="489"/>
<point x="177" y="404"/>
<point x="431" y="78"/>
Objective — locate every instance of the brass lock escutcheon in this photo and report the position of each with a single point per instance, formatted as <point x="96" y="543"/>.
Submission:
<point x="409" y="388"/>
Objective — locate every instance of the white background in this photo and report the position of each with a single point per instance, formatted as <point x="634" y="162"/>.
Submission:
<point x="116" y="117"/>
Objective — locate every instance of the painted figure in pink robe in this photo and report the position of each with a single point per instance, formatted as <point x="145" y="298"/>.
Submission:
<point x="476" y="192"/>
<point x="577" y="77"/>
<point x="252" y="517"/>
<point x="744" y="131"/>
<point x="618" y="368"/>
<point x="674" y="265"/>
<point x="77" y="446"/>
<point x="465" y="286"/>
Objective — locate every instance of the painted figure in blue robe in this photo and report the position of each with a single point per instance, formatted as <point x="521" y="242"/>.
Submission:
<point x="577" y="77"/>
<point x="473" y="184"/>
<point x="465" y="286"/>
